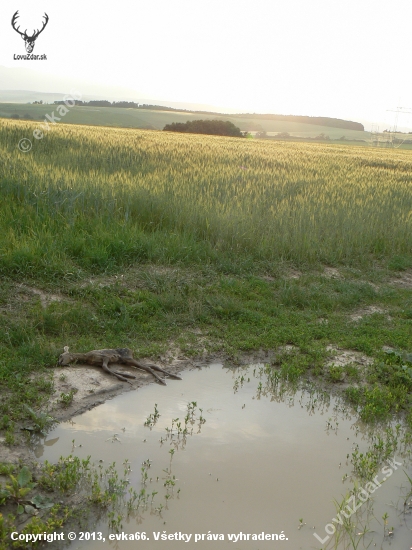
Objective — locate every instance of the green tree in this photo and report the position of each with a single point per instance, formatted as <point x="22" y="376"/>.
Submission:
<point x="211" y="127"/>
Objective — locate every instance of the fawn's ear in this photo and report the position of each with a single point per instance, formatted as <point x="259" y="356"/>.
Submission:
<point x="66" y="349"/>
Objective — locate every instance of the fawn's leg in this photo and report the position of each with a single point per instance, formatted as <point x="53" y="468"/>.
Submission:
<point x="125" y="374"/>
<point x="134" y="363"/>
<point x="154" y="367"/>
<point x="116" y="374"/>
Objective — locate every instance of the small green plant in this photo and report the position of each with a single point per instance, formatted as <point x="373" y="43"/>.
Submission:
<point x="66" y="399"/>
<point x="153" y="417"/>
<point x="17" y="490"/>
<point x="387" y="531"/>
<point x="5" y="422"/>
<point x="301" y="523"/>
<point x="41" y="421"/>
<point x="53" y="522"/>
<point x="7" y="469"/>
<point x="336" y="373"/>
<point x="352" y="372"/>
<point x="66" y="474"/>
<point x="9" y="438"/>
<point x="115" y="521"/>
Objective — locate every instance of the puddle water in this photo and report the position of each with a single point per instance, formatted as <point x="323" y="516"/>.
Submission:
<point x="259" y="464"/>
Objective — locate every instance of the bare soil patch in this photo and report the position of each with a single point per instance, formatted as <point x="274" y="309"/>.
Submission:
<point x="46" y="298"/>
<point x="294" y="274"/>
<point x="151" y="277"/>
<point x="332" y="273"/>
<point x="369" y="310"/>
<point x="403" y="280"/>
<point x="342" y="357"/>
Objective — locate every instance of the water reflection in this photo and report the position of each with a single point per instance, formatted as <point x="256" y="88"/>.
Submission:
<point x="228" y="450"/>
<point x="39" y="441"/>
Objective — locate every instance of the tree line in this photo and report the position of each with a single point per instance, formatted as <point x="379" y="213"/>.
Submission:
<point x="121" y="104"/>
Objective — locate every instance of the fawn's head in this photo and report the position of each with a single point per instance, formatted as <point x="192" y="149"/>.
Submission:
<point x="65" y="358"/>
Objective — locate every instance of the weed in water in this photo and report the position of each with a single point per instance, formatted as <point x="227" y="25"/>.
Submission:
<point x="153" y="417"/>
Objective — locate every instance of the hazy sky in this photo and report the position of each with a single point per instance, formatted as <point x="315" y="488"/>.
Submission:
<point x="349" y="59"/>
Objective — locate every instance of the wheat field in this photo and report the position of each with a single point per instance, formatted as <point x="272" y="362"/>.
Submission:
<point x="103" y="194"/>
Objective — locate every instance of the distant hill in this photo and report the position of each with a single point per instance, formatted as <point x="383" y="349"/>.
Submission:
<point x="28" y="96"/>
<point x="24" y="85"/>
<point x="318" y="120"/>
<point x="156" y="118"/>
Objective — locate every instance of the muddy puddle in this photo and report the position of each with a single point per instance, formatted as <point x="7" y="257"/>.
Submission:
<point x="227" y="456"/>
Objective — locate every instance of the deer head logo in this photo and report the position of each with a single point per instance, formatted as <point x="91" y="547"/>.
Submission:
<point x="29" y="40"/>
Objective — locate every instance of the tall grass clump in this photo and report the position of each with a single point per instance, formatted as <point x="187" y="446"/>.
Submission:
<point x="92" y="198"/>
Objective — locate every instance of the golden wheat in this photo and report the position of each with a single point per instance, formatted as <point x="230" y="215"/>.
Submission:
<point x="297" y="201"/>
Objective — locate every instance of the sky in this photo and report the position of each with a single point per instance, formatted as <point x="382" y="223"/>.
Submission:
<point x="332" y="58"/>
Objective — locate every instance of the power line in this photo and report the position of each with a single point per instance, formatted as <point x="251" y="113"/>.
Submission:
<point x="388" y="138"/>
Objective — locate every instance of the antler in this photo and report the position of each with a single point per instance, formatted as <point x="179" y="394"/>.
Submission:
<point x="13" y="22"/>
<point x="24" y="34"/>
<point x="35" y="35"/>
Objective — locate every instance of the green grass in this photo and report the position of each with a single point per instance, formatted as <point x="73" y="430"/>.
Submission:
<point x="149" y="308"/>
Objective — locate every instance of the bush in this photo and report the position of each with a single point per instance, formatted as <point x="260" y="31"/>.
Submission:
<point x="211" y="127"/>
